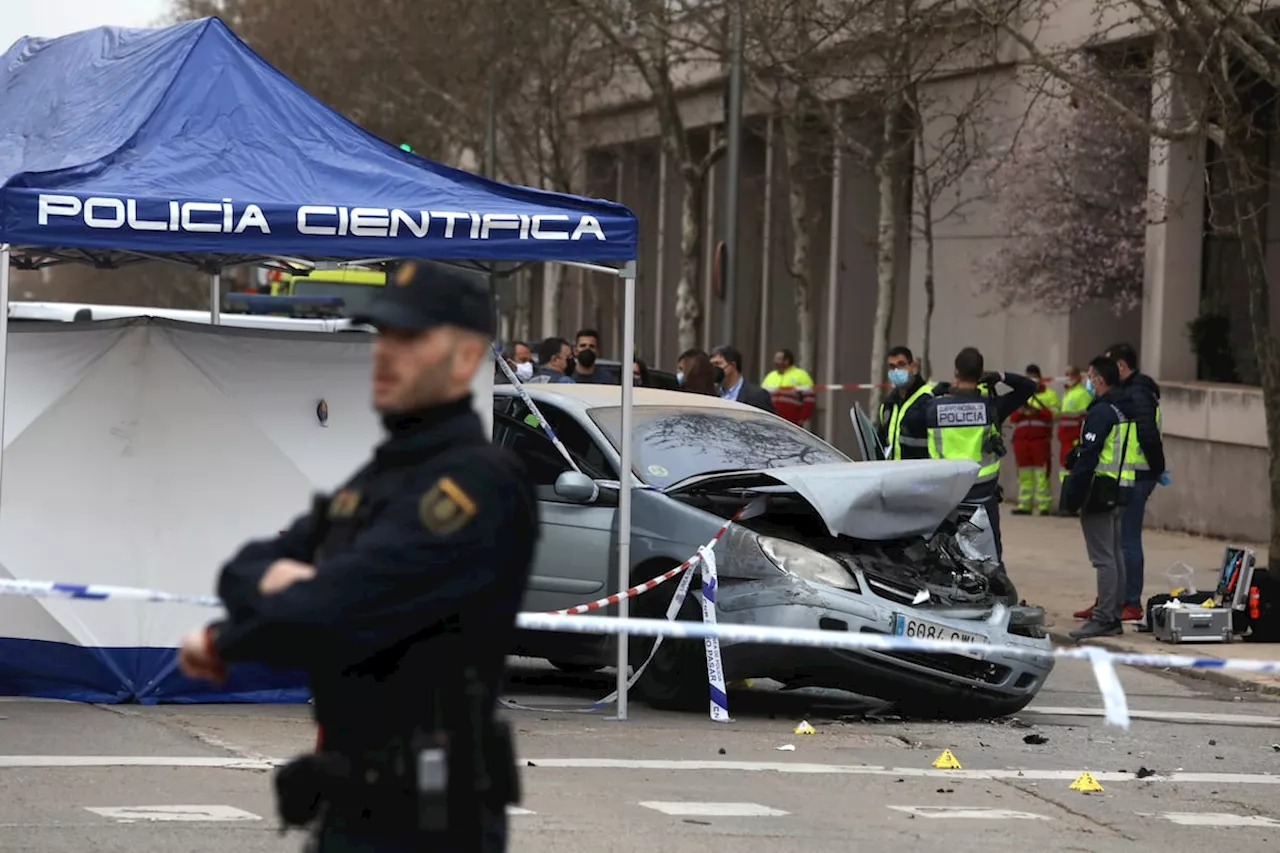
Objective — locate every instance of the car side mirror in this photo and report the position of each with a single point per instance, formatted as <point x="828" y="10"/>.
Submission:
<point x="576" y="487"/>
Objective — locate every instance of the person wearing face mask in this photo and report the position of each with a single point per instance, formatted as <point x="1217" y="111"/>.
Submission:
<point x="791" y="388"/>
<point x="1099" y="486"/>
<point x="901" y="427"/>
<point x="1033" y="446"/>
<point x="555" y="358"/>
<point x="696" y="373"/>
<point x="587" y="350"/>
<point x="522" y="355"/>
<point x="733" y="385"/>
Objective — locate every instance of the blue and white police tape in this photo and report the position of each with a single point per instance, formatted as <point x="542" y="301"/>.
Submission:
<point x="99" y="592"/>
<point x="533" y="407"/>
<point x="705" y="558"/>
<point x="1103" y="661"/>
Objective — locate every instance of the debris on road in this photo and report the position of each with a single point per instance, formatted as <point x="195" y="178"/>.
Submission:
<point x="1035" y="740"/>
<point x="786" y="747"/>
<point x="1144" y="772"/>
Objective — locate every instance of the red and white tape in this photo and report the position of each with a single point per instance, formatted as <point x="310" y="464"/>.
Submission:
<point x="647" y="585"/>
<point x="866" y="386"/>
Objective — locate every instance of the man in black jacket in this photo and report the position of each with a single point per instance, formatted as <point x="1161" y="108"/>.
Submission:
<point x="735" y="386"/>
<point x="1098" y="487"/>
<point x="1142" y="406"/>
<point x="398" y="596"/>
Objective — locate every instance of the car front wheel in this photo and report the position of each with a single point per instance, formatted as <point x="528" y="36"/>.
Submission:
<point x="676" y="678"/>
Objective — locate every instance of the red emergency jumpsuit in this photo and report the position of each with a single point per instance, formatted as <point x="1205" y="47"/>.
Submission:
<point x="1032" y="448"/>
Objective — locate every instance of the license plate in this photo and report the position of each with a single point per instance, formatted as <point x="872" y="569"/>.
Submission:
<point x="920" y="629"/>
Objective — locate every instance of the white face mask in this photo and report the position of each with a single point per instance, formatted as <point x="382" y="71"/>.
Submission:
<point x="524" y="372"/>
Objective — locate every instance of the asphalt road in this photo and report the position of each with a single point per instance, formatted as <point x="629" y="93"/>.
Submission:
<point x="196" y="778"/>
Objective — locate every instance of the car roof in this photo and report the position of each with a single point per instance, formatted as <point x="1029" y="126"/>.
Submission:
<point x="584" y="397"/>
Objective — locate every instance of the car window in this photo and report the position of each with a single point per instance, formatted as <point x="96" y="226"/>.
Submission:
<point x="672" y="444"/>
<point x="540" y="457"/>
<point x="572" y="435"/>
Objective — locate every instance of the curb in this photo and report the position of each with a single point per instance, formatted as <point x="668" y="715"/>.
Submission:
<point x="1222" y="679"/>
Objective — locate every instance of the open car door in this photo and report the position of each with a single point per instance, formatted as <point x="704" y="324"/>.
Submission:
<point x="868" y="440"/>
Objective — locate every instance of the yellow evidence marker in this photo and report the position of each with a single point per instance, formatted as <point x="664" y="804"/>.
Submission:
<point x="1086" y="784"/>
<point x="946" y="761"/>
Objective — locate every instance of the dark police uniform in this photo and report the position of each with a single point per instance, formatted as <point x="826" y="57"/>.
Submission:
<point x="421" y="562"/>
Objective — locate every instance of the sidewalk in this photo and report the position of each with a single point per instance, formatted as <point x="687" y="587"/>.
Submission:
<point x="1047" y="562"/>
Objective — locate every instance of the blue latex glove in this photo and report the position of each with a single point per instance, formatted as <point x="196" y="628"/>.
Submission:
<point x="1165" y="479"/>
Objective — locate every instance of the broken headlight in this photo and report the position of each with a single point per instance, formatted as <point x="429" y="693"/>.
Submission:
<point x="806" y="563"/>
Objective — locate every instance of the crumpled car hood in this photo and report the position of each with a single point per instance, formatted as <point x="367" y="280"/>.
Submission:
<point x="865" y="500"/>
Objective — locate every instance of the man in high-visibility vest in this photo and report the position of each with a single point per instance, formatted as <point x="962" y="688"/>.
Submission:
<point x="1099" y="486"/>
<point x="901" y="425"/>
<point x="790" y="388"/>
<point x="1075" y="401"/>
<point x="1033" y="446"/>
<point x="964" y="423"/>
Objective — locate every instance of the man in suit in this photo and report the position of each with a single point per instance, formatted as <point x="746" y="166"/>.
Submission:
<point x="735" y="386"/>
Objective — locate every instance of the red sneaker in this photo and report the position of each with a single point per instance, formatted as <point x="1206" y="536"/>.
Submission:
<point x="1087" y="613"/>
<point x="1132" y="613"/>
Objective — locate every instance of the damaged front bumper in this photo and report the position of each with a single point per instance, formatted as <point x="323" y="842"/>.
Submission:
<point x="786" y="601"/>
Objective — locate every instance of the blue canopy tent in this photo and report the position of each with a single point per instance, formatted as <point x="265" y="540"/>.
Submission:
<point x="182" y="144"/>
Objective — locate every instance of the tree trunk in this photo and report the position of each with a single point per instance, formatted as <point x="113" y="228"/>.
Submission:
<point x="888" y="179"/>
<point x="926" y="215"/>
<point x="798" y="262"/>
<point x="1243" y="178"/>
<point x="524" y="310"/>
<point x="552" y="285"/>
<point x="687" y="308"/>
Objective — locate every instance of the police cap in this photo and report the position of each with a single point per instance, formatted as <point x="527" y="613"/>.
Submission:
<point x="420" y="295"/>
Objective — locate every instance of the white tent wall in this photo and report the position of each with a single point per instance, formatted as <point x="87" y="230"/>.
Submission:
<point x="146" y="452"/>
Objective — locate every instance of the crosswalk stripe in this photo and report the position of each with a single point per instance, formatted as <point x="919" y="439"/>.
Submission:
<point x="1217" y="819"/>
<point x="687" y="809"/>
<point x="967" y="812"/>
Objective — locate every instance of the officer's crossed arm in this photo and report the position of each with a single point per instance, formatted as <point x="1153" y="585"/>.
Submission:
<point x="1093" y="435"/>
<point x="240" y="578"/>
<point x="420" y="561"/>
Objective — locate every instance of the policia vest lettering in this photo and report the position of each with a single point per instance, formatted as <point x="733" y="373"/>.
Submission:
<point x="917" y="447"/>
<point x="966" y="427"/>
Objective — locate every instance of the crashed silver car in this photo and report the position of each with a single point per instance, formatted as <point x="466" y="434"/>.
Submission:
<point x="867" y="547"/>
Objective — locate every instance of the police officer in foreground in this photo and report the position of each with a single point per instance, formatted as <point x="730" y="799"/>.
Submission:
<point x="398" y="597"/>
<point x="964" y="419"/>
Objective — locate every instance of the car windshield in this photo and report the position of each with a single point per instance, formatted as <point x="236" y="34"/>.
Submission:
<point x="673" y="444"/>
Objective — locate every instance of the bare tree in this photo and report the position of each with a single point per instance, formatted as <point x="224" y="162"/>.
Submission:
<point x="1072" y="198"/>
<point x="853" y="64"/>
<point x="659" y="39"/>
<point x="1216" y="69"/>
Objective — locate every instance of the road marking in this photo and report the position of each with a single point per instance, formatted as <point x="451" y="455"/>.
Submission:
<point x="516" y="810"/>
<point x="1161" y="716"/>
<point x="876" y="770"/>
<point x="136" y="761"/>
<point x="713" y="809"/>
<point x="967" y="812"/>
<point x="131" y="814"/>
<point x="81" y="761"/>
<point x="1217" y="819"/>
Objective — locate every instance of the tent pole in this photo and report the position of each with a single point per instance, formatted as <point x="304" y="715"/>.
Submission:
<point x="215" y="299"/>
<point x="628" y="275"/>
<point x="4" y="346"/>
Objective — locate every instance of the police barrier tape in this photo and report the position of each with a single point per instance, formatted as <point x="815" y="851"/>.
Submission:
<point x="1102" y="661"/>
